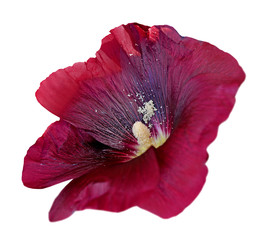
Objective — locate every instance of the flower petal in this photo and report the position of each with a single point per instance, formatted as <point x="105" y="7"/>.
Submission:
<point x="135" y="65"/>
<point x="191" y="86"/>
<point x="202" y="95"/>
<point x="62" y="153"/>
<point x="182" y="175"/>
<point x="193" y="67"/>
<point x="202" y="87"/>
<point x="58" y="89"/>
<point x="113" y="188"/>
<point x="105" y="99"/>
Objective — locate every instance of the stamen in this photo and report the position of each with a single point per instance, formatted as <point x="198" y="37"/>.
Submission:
<point x="147" y="110"/>
<point x="142" y="133"/>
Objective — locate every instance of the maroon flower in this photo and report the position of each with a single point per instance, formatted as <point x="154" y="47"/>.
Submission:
<point x="134" y="124"/>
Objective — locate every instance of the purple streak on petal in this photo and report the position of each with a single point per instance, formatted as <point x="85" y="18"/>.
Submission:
<point x="64" y="152"/>
<point x="134" y="65"/>
<point x="202" y="94"/>
<point x="192" y="85"/>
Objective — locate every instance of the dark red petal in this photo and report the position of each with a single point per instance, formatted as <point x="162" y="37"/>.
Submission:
<point x="107" y="106"/>
<point x="203" y="89"/>
<point x="196" y="68"/>
<point x="62" y="153"/>
<point x="182" y="176"/>
<point x="114" y="188"/>
<point x="192" y="85"/>
<point x="202" y="92"/>
<point x="58" y="89"/>
<point x="105" y="101"/>
<point x="134" y="65"/>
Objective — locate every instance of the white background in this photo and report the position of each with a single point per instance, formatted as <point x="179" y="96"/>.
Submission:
<point x="39" y="37"/>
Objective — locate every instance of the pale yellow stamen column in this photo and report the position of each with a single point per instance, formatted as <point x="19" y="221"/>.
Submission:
<point x="142" y="133"/>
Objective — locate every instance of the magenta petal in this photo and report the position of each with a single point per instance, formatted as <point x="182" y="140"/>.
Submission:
<point x="136" y="64"/>
<point x="58" y="89"/>
<point x="192" y="85"/>
<point x="62" y="153"/>
<point x="203" y="89"/>
<point x="205" y="100"/>
<point x="105" y="99"/>
<point x="197" y="68"/>
<point x="114" y="188"/>
<point x="182" y="176"/>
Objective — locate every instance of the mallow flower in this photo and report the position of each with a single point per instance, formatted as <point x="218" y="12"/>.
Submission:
<point x="134" y="123"/>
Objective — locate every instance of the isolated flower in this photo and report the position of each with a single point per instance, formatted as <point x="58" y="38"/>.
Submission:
<point x="134" y="124"/>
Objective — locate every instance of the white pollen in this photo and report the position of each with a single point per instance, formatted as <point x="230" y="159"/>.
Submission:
<point x="139" y="96"/>
<point x="147" y="111"/>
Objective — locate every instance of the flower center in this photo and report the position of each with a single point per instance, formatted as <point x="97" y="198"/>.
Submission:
<point x="142" y="133"/>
